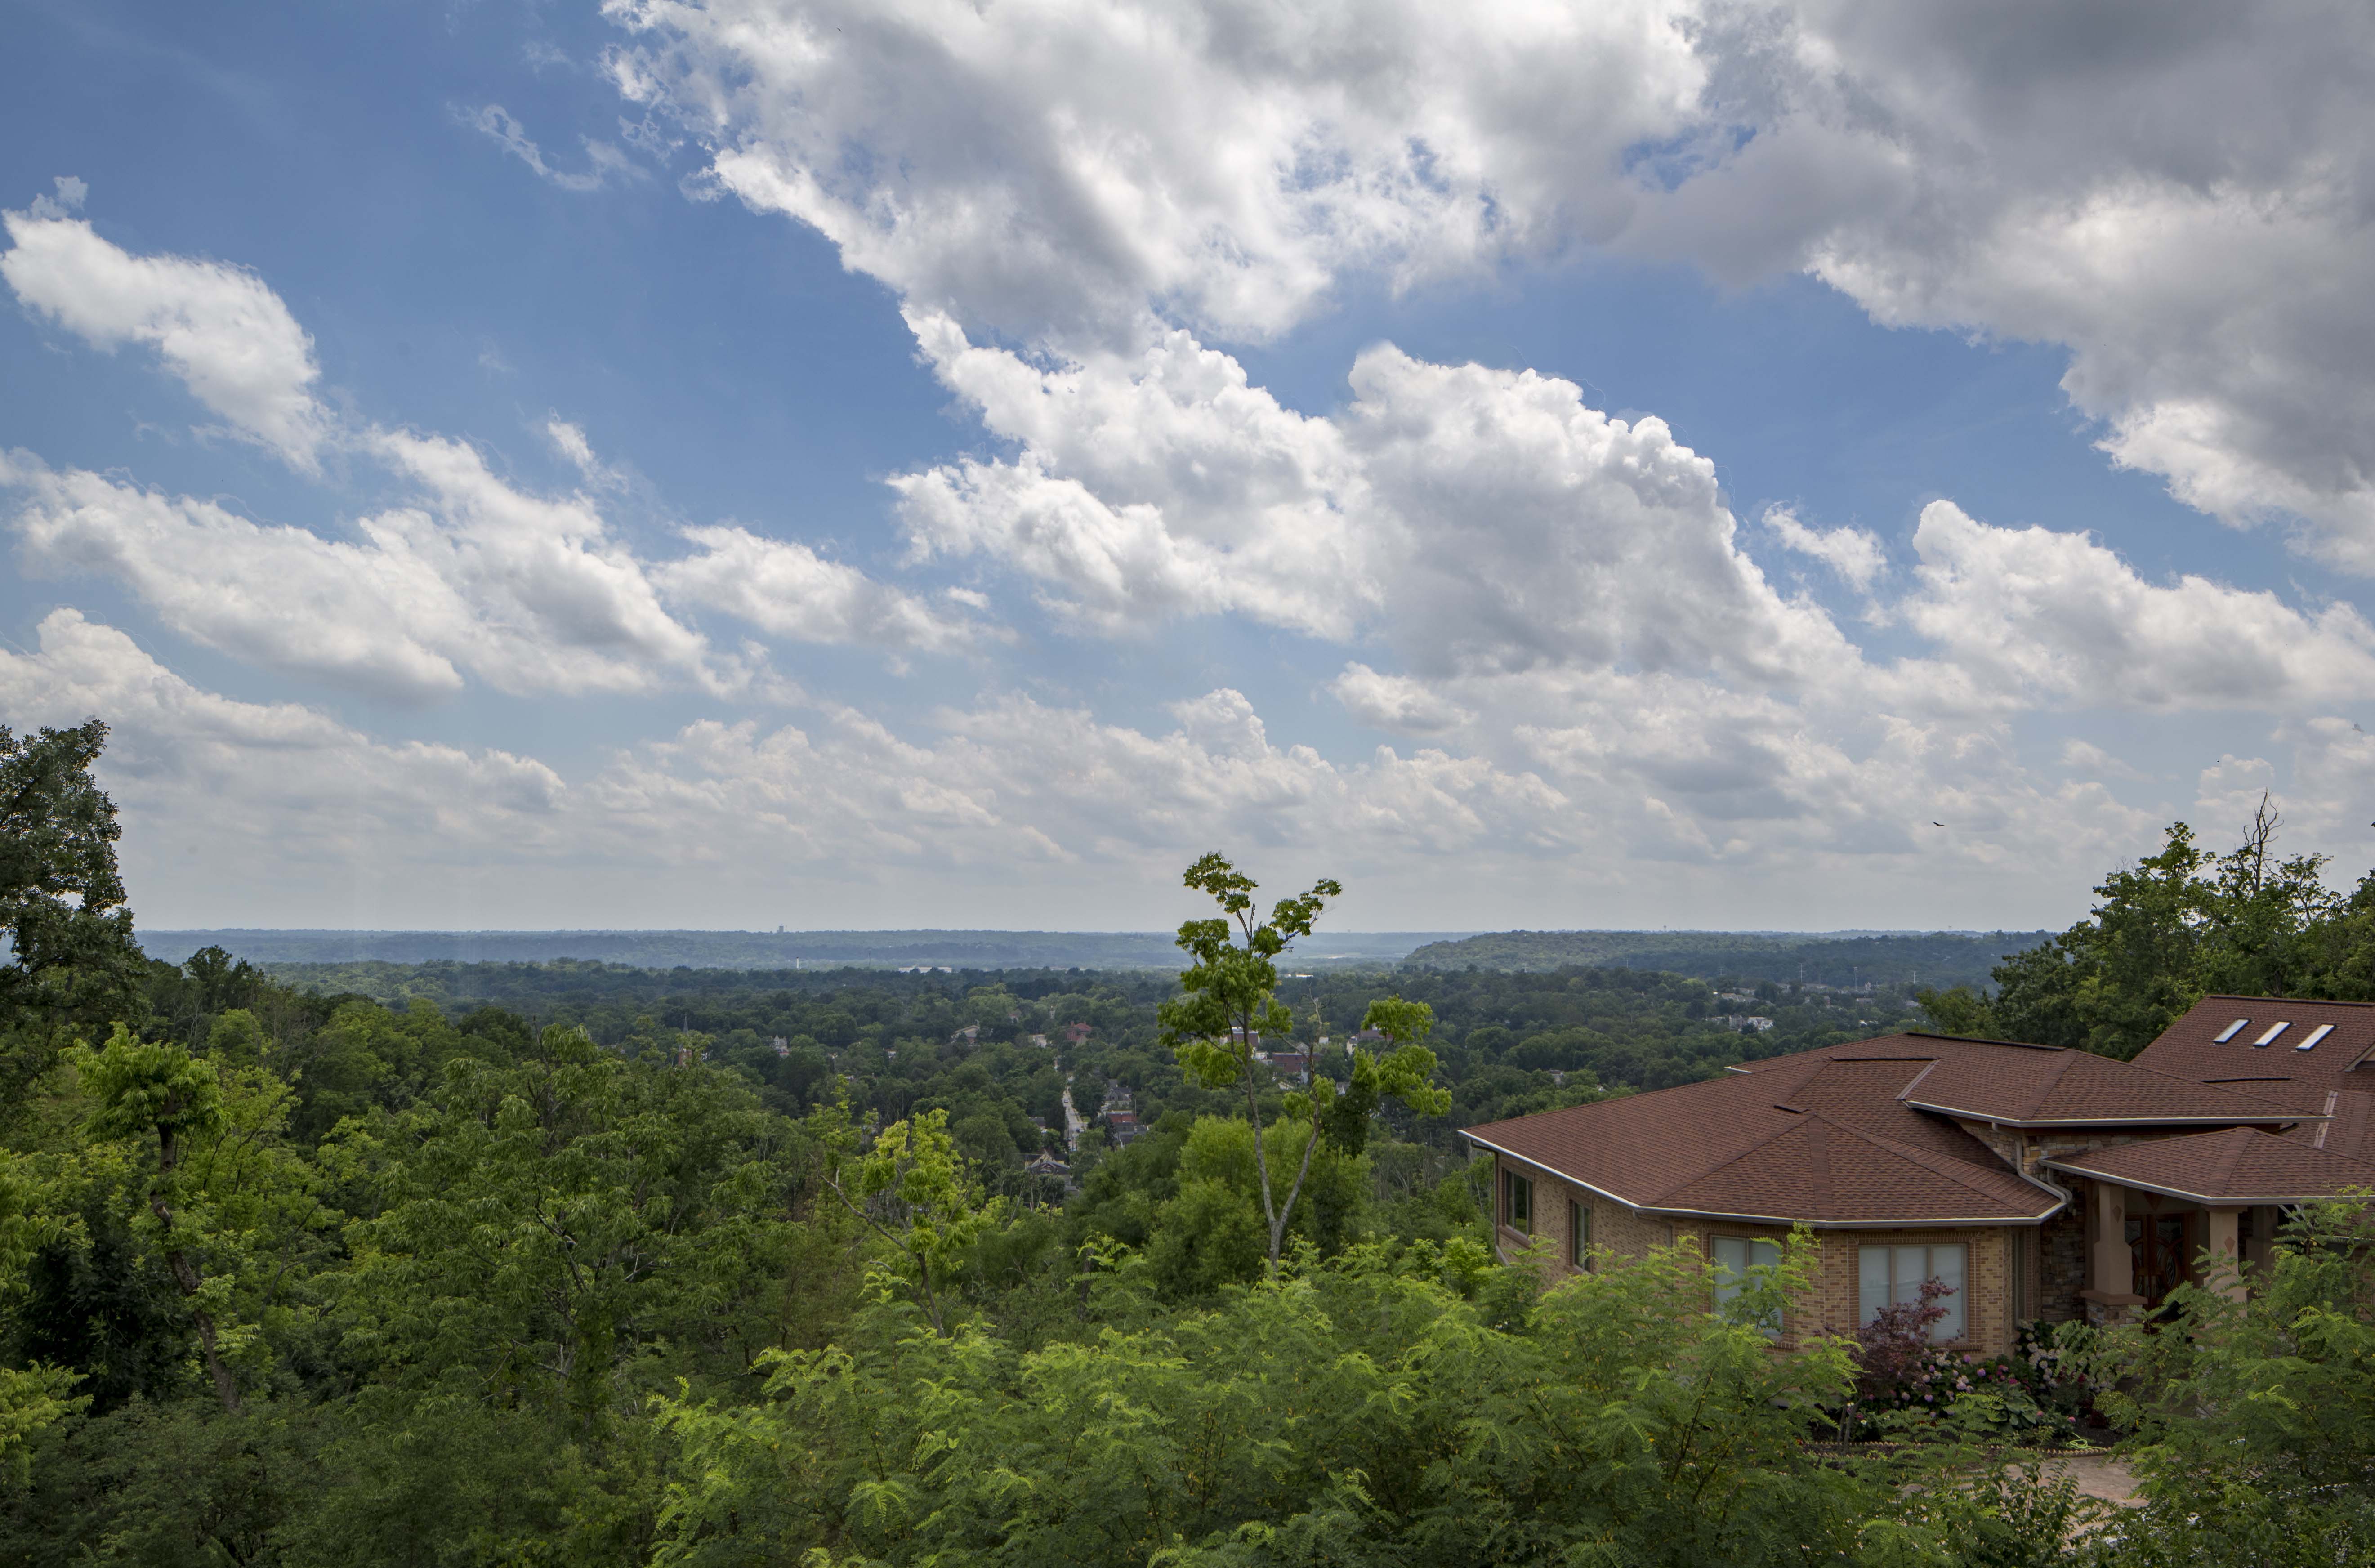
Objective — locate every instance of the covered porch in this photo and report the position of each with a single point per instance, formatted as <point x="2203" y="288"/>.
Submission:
<point x="2200" y="1209"/>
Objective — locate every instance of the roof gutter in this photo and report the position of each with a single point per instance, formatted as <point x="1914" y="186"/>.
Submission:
<point x="2060" y="1199"/>
<point x="2227" y="1200"/>
<point x="2280" y="1118"/>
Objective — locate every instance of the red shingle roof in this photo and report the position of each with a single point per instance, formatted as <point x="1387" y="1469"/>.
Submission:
<point x="1820" y="1137"/>
<point x="2047" y="1088"/>
<point x="1861" y="1135"/>
<point x="2332" y="1079"/>
<point x="2238" y="1166"/>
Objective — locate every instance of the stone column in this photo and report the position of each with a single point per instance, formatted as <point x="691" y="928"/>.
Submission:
<point x="2220" y="1264"/>
<point x="2110" y="1292"/>
<point x="2114" y="1262"/>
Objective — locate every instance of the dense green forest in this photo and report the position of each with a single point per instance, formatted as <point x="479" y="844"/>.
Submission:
<point x="573" y="1265"/>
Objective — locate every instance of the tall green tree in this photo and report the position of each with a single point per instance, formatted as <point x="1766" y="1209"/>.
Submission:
<point x="71" y="960"/>
<point x="1229" y="1002"/>
<point x="2165" y="932"/>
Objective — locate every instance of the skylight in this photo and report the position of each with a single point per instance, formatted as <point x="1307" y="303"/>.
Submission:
<point x="2229" y="1033"/>
<point x="2274" y="1030"/>
<point x="2319" y="1032"/>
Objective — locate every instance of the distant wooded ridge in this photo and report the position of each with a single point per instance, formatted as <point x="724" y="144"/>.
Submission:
<point x="1936" y="958"/>
<point x="761" y="949"/>
<point x="1940" y="958"/>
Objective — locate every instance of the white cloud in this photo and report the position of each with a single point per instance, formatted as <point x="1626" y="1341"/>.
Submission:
<point x="604" y="160"/>
<point x="472" y="576"/>
<point x="784" y="587"/>
<point x="218" y="328"/>
<point x="2085" y="757"/>
<point x="67" y="202"/>
<point x="247" y="784"/>
<point x="1853" y="553"/>
<point x="1472" y="518"/>
<point x="1395" y="702"/>
<point x="2176" y="196"/>
<point x="1049" y="169"/>
<point x="2027" y="615"/>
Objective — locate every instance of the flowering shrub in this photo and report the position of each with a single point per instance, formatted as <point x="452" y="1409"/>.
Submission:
<point x="1907" y="1387"/>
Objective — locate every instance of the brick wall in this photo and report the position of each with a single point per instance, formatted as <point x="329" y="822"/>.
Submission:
<point x="2062" y="1268"/>
<point x="1832" y="1307"/>
<point x="1614" y="1227"/>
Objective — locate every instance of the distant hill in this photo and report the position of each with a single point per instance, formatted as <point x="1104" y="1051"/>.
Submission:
<point x="761" y="949"/>
<point x="1937" y="957"/>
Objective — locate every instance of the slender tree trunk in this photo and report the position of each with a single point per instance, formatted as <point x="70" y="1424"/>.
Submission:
<point x="1261" y="1163"/>
<point x="1278" y="1227"/>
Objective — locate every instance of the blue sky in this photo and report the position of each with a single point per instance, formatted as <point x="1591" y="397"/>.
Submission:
<point x="919" y="464"/>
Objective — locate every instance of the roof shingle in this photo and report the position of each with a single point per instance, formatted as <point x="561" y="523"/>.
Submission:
<point x="2240" y="1165"/>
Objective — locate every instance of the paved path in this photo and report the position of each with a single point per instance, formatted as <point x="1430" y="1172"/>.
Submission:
<point x="1074" y="1123"/>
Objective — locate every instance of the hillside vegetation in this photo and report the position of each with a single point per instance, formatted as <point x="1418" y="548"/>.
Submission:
<point x="1937" y="959"/>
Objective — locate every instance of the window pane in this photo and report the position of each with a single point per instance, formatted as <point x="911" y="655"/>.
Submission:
<point x="1871" y="1281"/>
<point x="1730" y="1255"/>
<point x="1578" y="1233"/>
<point x="1946" y="1264"/>
<point x="1764" y="1254"/>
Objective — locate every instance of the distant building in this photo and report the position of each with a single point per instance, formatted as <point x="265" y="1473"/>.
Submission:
<point x="1745" y="1021"/>
<point x="1295" y="1065"/>
<point x="1075" y="1032"/>
<point x="970" y="1034"/>
<point x="782" y="1047"/>
<point x="1123" y="1127"/>
<point x="1040" y="1041"/>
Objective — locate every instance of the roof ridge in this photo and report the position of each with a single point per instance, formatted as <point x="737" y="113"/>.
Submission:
<point x="1923" y="1158"/>
<point x="1981" y="1039"/>
<point x="1797" y="1123"/>
<point x="2280" y="1001"/>
<point x="1931" y="1162"/>
<point x="2197" y="1082"/>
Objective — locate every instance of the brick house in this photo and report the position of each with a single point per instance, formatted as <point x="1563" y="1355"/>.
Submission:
<point x="2039" y="1182"/>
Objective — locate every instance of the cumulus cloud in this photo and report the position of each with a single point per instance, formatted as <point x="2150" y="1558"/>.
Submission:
<point x="276" y="780"/>
<point x="782" y="586"/>
<point x="1472" y="518"/>
<point x="474" y="576"/>
<point x="1854" y="554"/>
<point x="1049" y="170"/>
<point x="218" y="328"/>
<point x="2028" y="615"/>
<point x="1395" y="702"/>
<point x="604" y="161"/>
<point x="2178" y="197"/>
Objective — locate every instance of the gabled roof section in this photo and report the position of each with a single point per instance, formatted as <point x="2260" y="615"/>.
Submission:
<point x="2240" y="1166"/>
<point x="2052" y="1089"/>
<point x="1820" y="1137"/>
<point x="2334" y="1078"/>
<point x="2191" y="1047"/>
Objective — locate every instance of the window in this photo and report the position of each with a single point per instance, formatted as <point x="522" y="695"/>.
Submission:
<point x="2274" y="1030"/>
<point x="2231" y="1030"/>
<point x="1733" y="1257"/>
<point x="2308" y="1043"/>
<point x="1517" y="1202"/>
<point x="1892" y="1277"/>
<point x="1578" y="1233"/>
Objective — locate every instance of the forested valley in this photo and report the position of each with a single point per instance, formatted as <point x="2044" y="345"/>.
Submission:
<point x="576" y="1264"/>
